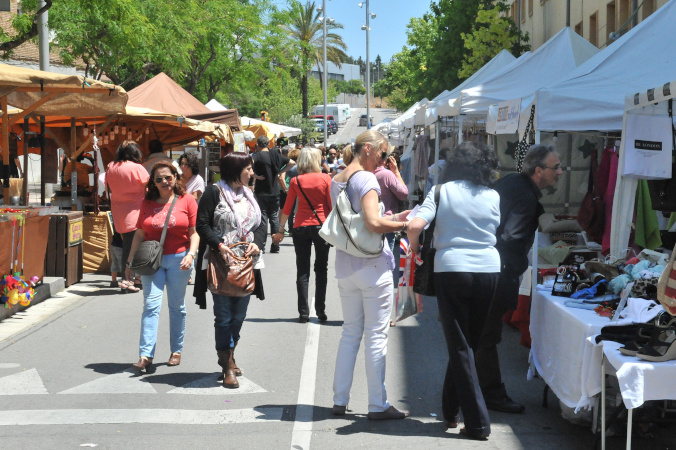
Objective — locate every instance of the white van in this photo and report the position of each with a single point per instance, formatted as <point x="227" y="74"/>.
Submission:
<point x="332" y="110"/>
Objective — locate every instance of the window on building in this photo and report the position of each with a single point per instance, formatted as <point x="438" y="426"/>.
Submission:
<point x="513" y="10"/>
<point x="530" y="7"/>
<point x="578" y="28"/>
<point x="523" y="10"/>
<point x="610" y="18"/>
<point x="594" y="29"/>
<point x="648" y="8"/>
<point x="623" y="14"/>
<point x="5" y="5"/>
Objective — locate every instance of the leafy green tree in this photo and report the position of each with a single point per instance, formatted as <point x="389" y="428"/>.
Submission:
<point x="349" y="87"/>
<point x="24" y="26"/>
<point x="305" y="33"/>
<point x="490" y="35"/>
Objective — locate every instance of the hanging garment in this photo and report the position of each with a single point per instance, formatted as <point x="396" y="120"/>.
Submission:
<point x="421" y="156"/>
<point x="647" y="227"/>
<point x="608" y="172"/>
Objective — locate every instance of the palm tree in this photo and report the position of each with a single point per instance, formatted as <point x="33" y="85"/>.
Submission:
<point x="306" y="33"/>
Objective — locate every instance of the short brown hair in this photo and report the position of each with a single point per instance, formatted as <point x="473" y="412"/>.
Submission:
<point x="152" y="193"/>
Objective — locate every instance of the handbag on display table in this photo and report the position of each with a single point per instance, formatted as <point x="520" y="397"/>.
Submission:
<point x="232" y="277"/>
<point x="345" y="229"/>
<point x="148" y="256"/>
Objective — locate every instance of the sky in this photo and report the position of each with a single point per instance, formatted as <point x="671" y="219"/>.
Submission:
<point x="388" y="29"/>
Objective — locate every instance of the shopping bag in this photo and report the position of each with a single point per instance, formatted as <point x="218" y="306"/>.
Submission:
<point x="408" y="303"/>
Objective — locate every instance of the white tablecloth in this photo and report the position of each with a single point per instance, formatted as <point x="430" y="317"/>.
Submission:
<point x="564" y="358"/>
<point x="640" y="381"/>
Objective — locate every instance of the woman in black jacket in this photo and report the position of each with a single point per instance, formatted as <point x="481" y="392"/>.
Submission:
<point x="228" y="213"/>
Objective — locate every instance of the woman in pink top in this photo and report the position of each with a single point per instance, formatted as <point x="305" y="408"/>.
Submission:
<point x="126" y="180"/>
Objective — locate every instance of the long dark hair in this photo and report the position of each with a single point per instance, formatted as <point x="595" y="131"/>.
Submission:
<point x="152" y="193"/>
<point x="473" y="162"/>
<point x="191" y="161"/>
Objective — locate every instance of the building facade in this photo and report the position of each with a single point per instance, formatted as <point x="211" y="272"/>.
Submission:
<point x="345" y="72"/>
<point x="598" y="21"/>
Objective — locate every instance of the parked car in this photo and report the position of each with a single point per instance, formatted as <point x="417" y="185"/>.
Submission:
<point x="311" y="138"/>
<point x="363" y="121"/>
<point x="333" y="126"/>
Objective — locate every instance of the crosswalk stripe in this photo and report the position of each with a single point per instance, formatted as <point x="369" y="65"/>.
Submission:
<point x="27" y="382"/>
<point x="210" y="386"/>
<point x="126" y="416"/>
<point x="126" y="382"/>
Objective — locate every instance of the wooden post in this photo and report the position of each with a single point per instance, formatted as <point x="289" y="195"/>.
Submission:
<point x="73" y="164"/>
<point x="24" y="191"/>
<point x="43" y="165"/>
<point x="5" y="150"/>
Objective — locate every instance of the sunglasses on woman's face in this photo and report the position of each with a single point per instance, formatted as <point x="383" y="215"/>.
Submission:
<point x="158" y="180"/>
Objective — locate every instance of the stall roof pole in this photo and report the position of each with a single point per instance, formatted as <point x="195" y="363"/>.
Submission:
<point x="24" y="190"/>
<point x="5" y="149"/>
<point x="43" y="165"/>
<point x="73" y="164"/>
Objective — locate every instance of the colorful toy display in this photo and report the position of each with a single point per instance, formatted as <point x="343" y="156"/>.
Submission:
<point x="16" y="287"/>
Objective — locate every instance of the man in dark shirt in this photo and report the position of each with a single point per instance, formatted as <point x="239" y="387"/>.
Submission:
<point x="520" y="209"/>
<point x="267" y="166"/>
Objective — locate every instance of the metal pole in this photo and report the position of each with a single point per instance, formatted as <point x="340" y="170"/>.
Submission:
<point x="43" y="162"/>
<point x="43" y="36"/>
<point x="324" y="77"/>
<point x="368" y="70"/>
<point x="24" y="189"/>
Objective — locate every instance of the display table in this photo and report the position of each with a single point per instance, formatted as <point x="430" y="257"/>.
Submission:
<point x="640" y="381"/>
<point x="560" y="351"/>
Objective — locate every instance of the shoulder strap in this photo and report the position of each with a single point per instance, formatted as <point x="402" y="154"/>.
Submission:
<point x="308" y="201"/>
<point x="429" y="232"/>
<point x="166" y="222"/>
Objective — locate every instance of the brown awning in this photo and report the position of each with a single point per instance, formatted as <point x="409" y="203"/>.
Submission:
<point x="161" y="93"/>
<point x="230" y="117"/>
<point x="54" y="93"/>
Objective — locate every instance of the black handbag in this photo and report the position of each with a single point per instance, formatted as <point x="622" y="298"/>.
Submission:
<point x="148" y="256"/>
<point x="423" y="282"/>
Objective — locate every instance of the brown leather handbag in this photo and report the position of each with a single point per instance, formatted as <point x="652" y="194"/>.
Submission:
<point x="233" y="277"/>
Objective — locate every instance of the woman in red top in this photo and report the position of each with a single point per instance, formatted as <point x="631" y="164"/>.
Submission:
<point x="312" y="188"/>
<point x="180" y="248"/>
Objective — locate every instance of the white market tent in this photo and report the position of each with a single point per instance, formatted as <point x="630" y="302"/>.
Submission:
<point x="653" y="102"/>
<point x="592" y="96"/>
<point x="276" y="129"/>
<point x="440" y="103"/>
<point x="215" y="105"/>
<point x="551" y="62"/>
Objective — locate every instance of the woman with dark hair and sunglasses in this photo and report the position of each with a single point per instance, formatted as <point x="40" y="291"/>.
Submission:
<point x="126" y="181"/>
<point x="179" y="252"/>
<point x="228" y="213"/>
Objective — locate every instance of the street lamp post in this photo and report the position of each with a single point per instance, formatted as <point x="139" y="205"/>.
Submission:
<point x="366" y="27"/>
<point x="324" y="20"/>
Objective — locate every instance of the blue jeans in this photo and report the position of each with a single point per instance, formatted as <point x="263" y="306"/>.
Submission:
<point x="229" y="314"/>
<point x="176" y="280"/>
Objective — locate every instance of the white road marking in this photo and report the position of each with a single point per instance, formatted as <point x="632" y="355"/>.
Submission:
<point x="123" y="416"/>
<point x="9" y="365"/>
<point x="302" y="427"/>
<point x="210" y="386"/>
<point x="127" y="382"/>
<point x="27" y="382"/>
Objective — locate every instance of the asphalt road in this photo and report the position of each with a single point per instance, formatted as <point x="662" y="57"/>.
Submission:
<point x="65" y="380"/>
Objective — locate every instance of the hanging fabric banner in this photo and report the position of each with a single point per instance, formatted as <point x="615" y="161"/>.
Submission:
<point x="507" y="118"/>
<point x="648" y="147"/>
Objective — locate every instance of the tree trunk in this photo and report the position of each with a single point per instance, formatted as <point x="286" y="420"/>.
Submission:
<point x="303" y="89"/>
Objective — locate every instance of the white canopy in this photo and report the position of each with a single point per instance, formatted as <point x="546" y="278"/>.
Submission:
<point x="499" y="62"/>
<point x="551" y="62"/>
<point x="215" y="105"/>
<point x="592" y="96"/>
<point x="276" y="129"/>
<point x="651" y="101"/>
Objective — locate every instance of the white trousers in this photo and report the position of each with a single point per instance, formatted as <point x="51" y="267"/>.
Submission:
<point x="366" y="298"/>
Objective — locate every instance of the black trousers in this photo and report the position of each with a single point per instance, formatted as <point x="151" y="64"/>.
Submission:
<point x="303" y="239"/>
<point x="269" y="205"/>
<point x="127" y="239"/>
<point x="464" y="299"/>
<point x="486" y="354"/>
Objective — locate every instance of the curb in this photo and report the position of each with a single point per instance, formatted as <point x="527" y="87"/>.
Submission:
<point x="49" y="287"/>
